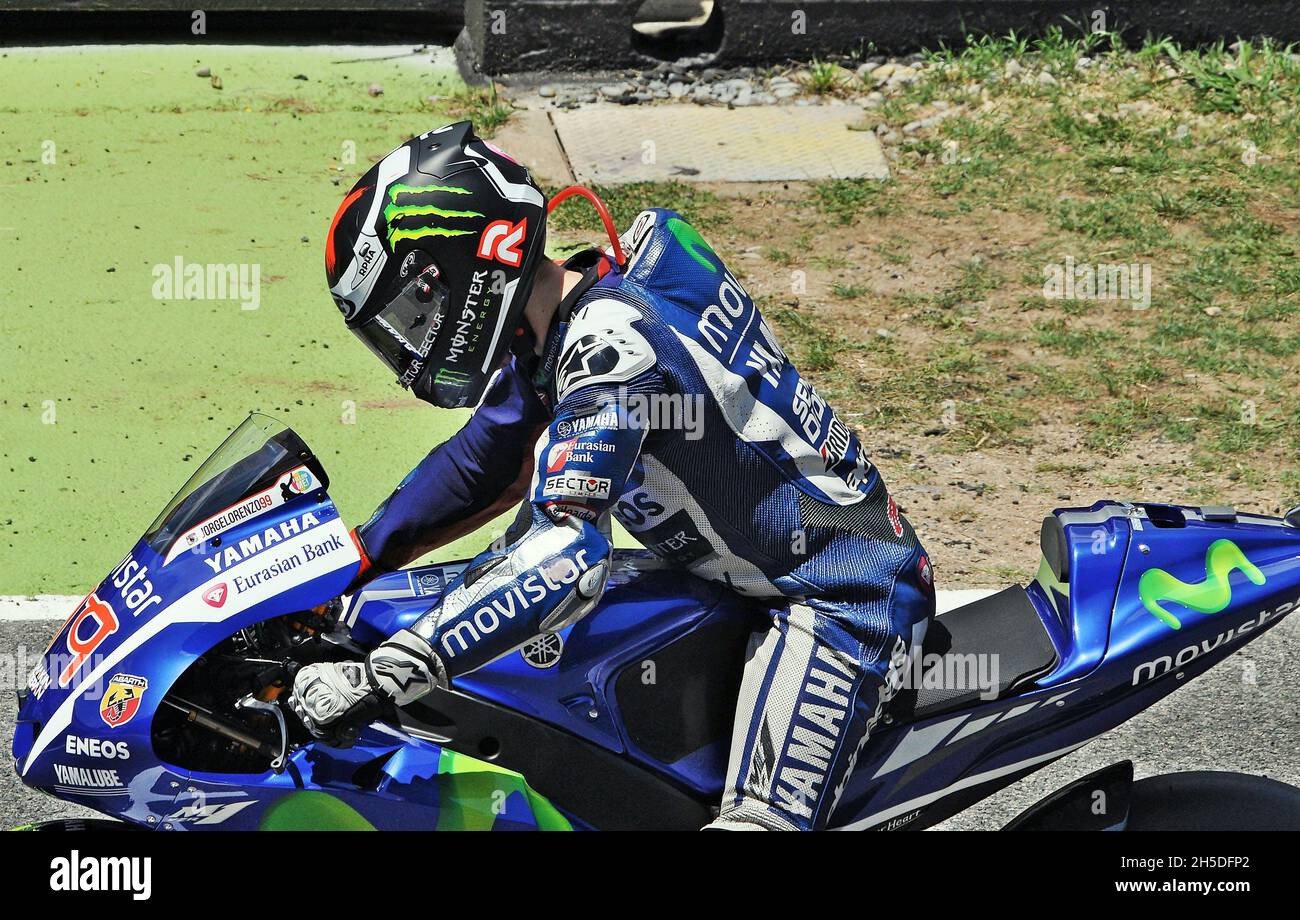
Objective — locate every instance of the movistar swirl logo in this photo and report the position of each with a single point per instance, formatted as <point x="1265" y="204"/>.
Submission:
<point x="1209" y="596"/>
<point x="410" y="215"/>
<point x="689" y="239"/>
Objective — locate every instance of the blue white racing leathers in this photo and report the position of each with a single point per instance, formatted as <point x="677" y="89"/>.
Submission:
<point x="668" y="403"/>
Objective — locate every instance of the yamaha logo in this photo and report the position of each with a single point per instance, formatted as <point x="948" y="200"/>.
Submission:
<point x="543" y="651"/>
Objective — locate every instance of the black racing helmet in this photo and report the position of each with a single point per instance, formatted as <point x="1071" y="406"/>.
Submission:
<point x="431" y="258"/>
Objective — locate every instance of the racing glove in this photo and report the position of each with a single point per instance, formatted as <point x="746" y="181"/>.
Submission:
<point x="335" y="699"/>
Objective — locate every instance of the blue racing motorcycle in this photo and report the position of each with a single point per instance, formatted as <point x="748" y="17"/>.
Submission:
<point x="161" y="701"/>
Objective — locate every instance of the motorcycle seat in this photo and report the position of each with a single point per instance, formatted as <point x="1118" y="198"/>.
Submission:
<point x="1003" y="628"/>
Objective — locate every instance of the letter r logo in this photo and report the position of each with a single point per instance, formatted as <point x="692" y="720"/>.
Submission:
<point x="503" y="241"/>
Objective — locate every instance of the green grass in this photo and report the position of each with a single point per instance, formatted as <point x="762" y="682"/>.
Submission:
<point x="824" y="77"/>
<point x="850" y="291"/>
<point x="847" y="200"/>
<point x="698" y="204"/>
<point x="810" y="345"/>
<point x="1180" y="160"/>
<point x="111" y="398"/>
<point x="1227" y="82"/>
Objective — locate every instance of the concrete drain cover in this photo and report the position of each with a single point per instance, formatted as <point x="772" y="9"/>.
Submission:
<point x="611" y="144"/>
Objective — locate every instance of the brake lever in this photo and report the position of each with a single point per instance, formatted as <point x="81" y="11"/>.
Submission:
<point x="253" y="703"/>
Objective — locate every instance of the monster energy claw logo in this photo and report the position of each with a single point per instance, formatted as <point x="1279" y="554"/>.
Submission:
<point x="1209" y="596"/>
<point x="406" y="213"/>
<point x="448" y="377"/>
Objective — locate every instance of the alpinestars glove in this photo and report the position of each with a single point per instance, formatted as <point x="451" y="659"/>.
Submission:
<point x="335" y="700"/>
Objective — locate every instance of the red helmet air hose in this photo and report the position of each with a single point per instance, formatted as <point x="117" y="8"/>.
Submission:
<point x="603" y="211"/>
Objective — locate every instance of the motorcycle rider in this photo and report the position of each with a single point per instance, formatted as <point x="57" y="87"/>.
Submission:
<point x="436" y="260"/>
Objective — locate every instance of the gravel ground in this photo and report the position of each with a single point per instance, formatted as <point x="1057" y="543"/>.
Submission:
<point x="1218" y="722"/>
<point x="18" y="804"/>
<point x="692" y="80"/>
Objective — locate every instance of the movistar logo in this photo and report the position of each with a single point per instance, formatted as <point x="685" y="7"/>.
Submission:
<point x="401" y="213"/>
<point x="1209" y="596"/>
<point x="693" y="243"/>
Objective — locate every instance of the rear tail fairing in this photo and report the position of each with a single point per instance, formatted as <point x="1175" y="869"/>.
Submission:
<point x="84" y="724"/>
<point x="1115" y="657"/>
<point x="1198" y="584"/>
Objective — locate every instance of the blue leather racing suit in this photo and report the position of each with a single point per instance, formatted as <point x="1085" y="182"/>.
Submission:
<point x="662" y="398"/>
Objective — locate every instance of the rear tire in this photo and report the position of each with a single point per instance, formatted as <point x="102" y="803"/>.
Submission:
<point x="1213" y="801"/>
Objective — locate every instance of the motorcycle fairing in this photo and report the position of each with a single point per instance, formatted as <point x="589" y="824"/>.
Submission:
<point x="580" y="686"/>
<point x="1117" y="659"/>
<point x="390" y="781"/>
<point x="113" y="661"/>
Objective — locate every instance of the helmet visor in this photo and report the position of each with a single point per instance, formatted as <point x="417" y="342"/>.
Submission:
<point x="403" y="333"/>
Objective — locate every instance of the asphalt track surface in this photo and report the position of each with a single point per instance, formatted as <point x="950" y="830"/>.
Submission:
<point x="1243" y="715"/>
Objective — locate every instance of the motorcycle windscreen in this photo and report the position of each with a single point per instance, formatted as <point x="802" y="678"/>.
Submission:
<point x="260" y="465"/>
